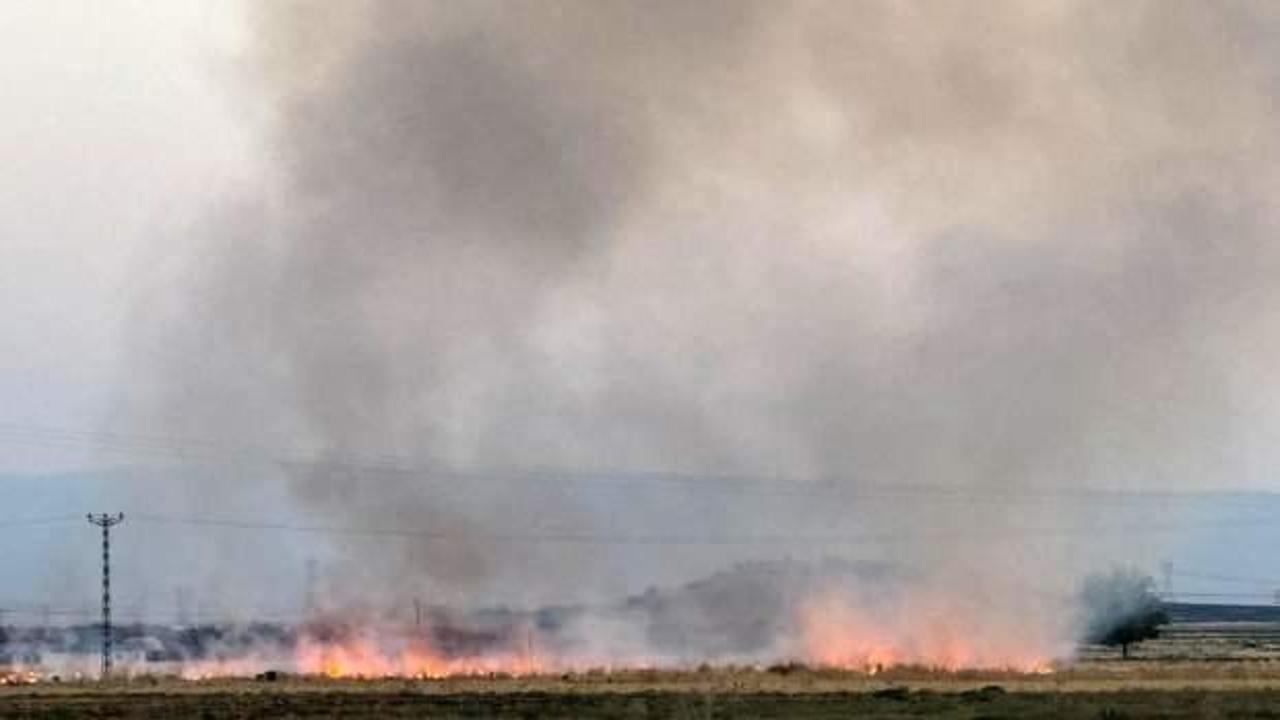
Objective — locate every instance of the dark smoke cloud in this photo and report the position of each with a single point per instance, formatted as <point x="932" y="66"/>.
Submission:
<point x="991" y="249"/>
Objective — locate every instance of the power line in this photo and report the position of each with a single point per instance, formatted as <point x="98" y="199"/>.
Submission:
<point x="28" y="522"/>
<point x="144" y="615"/>
<point x="40" y="610"/>
<point x="545" y="537"/>
<point x="671" y="539"/>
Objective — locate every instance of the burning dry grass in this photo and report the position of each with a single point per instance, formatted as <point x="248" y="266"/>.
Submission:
<point x="838" y="630"/>
<point x="831" y="626"/>
<point x="19" y="677"/>
<point x="1095" y="676"/>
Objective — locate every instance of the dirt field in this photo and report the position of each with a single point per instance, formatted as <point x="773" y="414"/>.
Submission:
<point x="1100" y="689"/>
<point x="363" y="704"/>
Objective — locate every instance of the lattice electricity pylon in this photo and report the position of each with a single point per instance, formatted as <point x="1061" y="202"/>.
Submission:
<point x="105" y="522"/>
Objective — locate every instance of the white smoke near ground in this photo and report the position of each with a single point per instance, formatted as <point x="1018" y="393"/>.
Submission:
<point x="946" y="269"/>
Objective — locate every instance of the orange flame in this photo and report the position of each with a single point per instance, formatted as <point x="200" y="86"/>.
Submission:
<point x="834" y="631"/>
<point x="833" y="628"/>
<point x="19" y="677"/>
<point x="368" y="653"/>
<point x="366" y="657"/>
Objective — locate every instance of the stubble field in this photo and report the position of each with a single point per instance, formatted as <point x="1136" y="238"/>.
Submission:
<point x="1102" y="688"/>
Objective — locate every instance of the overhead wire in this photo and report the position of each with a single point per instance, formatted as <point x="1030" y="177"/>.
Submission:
<point x="31" y="521"/>
<point x="669" y="539"/>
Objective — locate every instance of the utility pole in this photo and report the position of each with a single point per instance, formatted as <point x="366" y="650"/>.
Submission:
<point x="105" y="522"/>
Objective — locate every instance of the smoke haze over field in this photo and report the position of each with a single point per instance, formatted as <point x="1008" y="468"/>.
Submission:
<point x="892" y="253"/>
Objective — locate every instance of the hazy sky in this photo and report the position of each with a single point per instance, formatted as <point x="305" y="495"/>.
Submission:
<point x="126" y="122"/>
<point x="1022" y="249"/>
<point x="121" y="122"/>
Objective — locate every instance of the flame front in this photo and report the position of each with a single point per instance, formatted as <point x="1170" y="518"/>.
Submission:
<point x="367" y="656"/>
<point x="860" y="627"/>
<point x="836" y="631"/>
<point x="371" y="653"/>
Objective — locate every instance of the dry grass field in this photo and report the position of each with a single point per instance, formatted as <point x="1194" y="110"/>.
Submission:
<point x="650" y="704"/>
<point x="1093" y="689"/>
<point x="1191" y="672"/>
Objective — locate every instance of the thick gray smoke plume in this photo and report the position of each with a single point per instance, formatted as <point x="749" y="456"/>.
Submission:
<point x="936" y="256"/>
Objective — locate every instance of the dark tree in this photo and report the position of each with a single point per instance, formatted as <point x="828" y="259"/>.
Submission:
<point x="1121" y="608"/>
